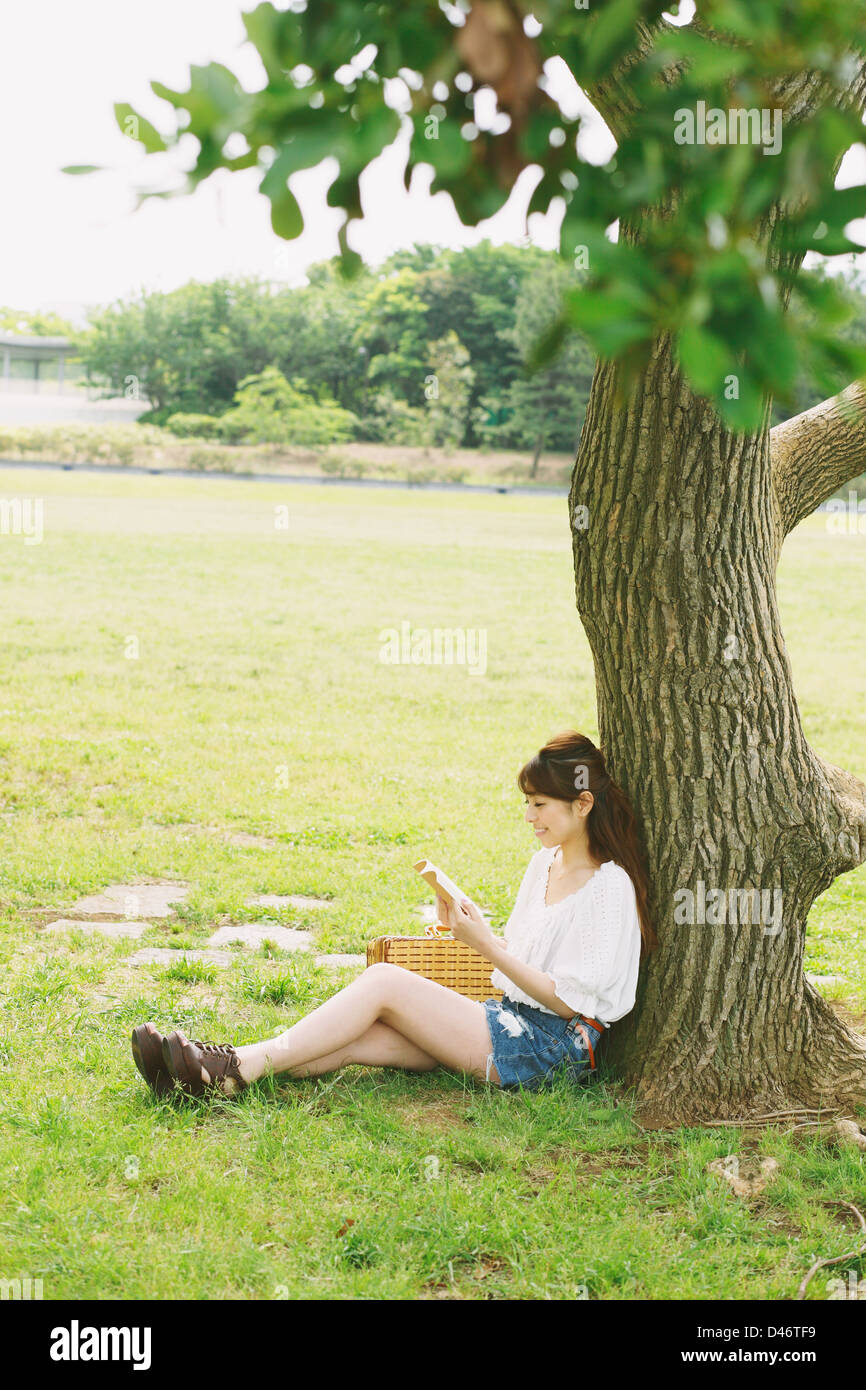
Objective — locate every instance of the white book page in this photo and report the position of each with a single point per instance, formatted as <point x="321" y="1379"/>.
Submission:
<point x="448" y="887"/>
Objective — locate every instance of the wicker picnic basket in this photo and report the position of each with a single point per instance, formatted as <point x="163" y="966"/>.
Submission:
<point x="441" y="958"/>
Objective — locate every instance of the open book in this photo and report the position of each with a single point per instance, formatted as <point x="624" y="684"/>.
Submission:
<point x="440" y="882"/>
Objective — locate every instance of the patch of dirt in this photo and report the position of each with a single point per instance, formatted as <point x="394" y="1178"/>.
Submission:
<point x="282" y="901"/>
<point x="125" y="980"/>
<point x="158" y="955"/>
<point x="596" y="1163"/>
<point x="843" y="1215"/>
<point x="240" y="838"/>
<point x="490" y="1264"/>
<point x="99" y="929"/>
<point x="777" y="1222"/>
<point x="850" y="1014"/>
<point x="538" y="1178"/>
<point x="42" y="917"/>
<point x="578" y="1163"/>
<point x="469" y="1165"/>
<point x="475" y="1270"/>
<point x="244" y="840"/>
<point x="436" y="1114"/>
<point x="196" y="1001"/>
<point x="493" y="464"/>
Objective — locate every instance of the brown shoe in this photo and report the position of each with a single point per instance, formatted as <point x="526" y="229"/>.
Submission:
<point x="147" y="1054"/>
<point x="184" y="1062"/>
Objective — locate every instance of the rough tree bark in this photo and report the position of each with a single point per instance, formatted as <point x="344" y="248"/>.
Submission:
<point x="675" y="586"/>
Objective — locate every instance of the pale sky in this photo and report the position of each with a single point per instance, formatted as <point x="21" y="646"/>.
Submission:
<point x="69" y="242"/>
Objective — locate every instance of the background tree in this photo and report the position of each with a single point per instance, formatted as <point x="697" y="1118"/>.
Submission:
<point x="448" y="387"/>
<point x="318" y="333"/>
<point x="476" y="290"/>
<point x="393" y="335"/>
<point x="185" y="350"/>
<point x="698" y="314"/>
<point x="35" y="324"/>
<point x="544" y="408"/>
<point x="271" y="410"/>
<point x="805" y="392"/>
<point x="367" y="342"/>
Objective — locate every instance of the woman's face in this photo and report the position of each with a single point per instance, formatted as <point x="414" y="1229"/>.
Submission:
<point x="554" y="821"/>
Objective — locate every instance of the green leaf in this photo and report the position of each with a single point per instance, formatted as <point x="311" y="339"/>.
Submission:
<point x="449" y="153"/>
<point x="345" y="193"/>
<point x="263" y="31"/>
<point x="739" y="19"/>
<point x="611" y="31"/>
<point x="547" y="345"/>
<point x="535" y="137"/>
<point x="82" y="168"/>
<point x="610" y="320"/>
<point x="744" y="412"/>
<point x="137" y="128"/>
<point x="313" y="135"/>
<point x="159" y="89"/>
<point x="849" y="357"/>
<point x="372" y="132"/>
<point x="351" y="264"/>
<point x="286" y="217"/>
<point x="704" y="358"/>
<point x="708" y="62"/>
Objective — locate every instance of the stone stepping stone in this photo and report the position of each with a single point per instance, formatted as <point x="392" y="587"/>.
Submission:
<point x="133" y="900"/>
<point x="159" y="955"/>
<point x="826" y="981"/>
<point x="254" y="933"/>
<point x="338" y="960"/>
<point x="109" y="929"/>
<point x="277" y="900"/>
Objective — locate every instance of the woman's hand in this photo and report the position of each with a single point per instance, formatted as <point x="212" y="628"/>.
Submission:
<point x="443" y="912"/>
<point x="466" y="922"/>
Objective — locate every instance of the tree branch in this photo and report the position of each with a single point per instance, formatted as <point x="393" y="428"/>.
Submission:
<point x="813" y="454"/>
<point x="611" y="95"/>
<point x="848" y="797"/>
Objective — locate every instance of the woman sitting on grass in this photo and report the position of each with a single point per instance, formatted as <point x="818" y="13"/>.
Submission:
<point x="568" y="965"/>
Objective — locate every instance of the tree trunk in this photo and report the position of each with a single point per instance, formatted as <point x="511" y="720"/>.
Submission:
<point x="675" y="585"/>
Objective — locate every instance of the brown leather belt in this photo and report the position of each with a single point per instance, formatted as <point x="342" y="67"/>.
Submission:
<point x="593" y="1023"/>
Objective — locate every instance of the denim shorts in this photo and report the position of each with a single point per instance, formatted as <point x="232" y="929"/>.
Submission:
<point x="531" y="1047"/>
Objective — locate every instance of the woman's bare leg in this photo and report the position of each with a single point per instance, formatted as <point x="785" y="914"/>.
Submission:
<point x="380" y="1046"/>
<point x="447" y="1027"/>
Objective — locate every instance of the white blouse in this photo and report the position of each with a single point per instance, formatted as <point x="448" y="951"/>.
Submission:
<point x="588" y="943"/>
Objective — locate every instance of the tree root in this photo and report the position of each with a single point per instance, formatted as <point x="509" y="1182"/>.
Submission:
<point x="838" y="1259"/>
<point x="844" y="1128"/>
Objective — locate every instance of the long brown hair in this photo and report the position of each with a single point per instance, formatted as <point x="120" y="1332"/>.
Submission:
<point x="610" y="825"/>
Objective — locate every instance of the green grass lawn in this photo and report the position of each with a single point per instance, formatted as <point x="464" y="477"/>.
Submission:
<point x="257" y="702"/>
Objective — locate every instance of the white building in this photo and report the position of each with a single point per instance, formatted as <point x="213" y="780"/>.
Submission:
<point x="42" y="382"/>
